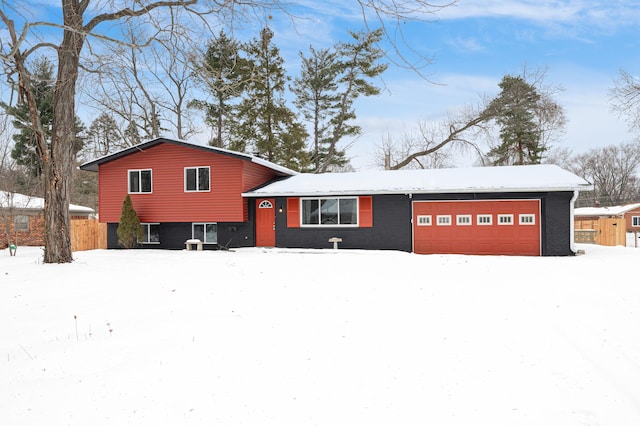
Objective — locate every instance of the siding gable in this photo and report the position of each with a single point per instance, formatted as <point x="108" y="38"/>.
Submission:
<point x="168" y="202"/>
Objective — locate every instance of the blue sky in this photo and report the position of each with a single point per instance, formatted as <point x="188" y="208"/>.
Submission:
<point x="582" y="44"/>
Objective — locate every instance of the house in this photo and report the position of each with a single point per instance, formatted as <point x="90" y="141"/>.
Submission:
<point x="607" y="225"/>
<point x="185" y="191"/>
<point x="21" y="216"/>
<point x="629" y="212"/>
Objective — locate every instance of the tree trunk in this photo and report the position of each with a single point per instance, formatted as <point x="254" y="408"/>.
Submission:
<point x="59" y="169"/>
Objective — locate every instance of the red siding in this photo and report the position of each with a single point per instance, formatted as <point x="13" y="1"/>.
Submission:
<point x="168" y="201"/>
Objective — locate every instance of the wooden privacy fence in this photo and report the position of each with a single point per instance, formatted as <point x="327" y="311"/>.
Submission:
<point x="604" y="231"/>
<point x="88" y="234"/>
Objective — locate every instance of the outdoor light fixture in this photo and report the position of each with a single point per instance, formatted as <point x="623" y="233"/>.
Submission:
<point x="280" y="210"/>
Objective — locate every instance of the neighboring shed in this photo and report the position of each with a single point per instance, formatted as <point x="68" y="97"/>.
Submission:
<point x="21" y="216"/>
<point x="607" y="225"/>
<point x="524" y="210"/>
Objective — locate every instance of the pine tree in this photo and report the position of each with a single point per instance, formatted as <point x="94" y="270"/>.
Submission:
<point x="329" y="84"/>
<point x="129" y="229"/>
<point x="515" y="109"/>
<point x="24" y="150"/>
<point x="267" y="126"/>
<point x="222" y="72"/>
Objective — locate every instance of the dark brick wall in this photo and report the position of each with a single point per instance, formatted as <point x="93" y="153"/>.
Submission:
<point x="174" y="234"/>
<point x="391" y="228"/>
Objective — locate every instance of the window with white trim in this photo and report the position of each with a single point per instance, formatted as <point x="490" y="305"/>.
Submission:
<point x="197" y="179"/>
<point x="21" y="223"/>
<point x="424" y="220"/>
<point x="443" y="219"/>
<point x="635" y="221"/>
<point x="505" y="219"/>
<point x="463" y="219"/>
<point x="150" y="233"/>
<point x="330" y="211"/>
<point x="527" y="219"/>
<point x="140" y="181"/>
<point x="205" y="232"/>
<point x="484" y="219"/>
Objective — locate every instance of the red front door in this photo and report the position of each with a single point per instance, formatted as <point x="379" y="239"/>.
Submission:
<point x="265" y="223"/>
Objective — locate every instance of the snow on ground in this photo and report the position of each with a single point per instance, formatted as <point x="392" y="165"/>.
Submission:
<point x="318" y="337"/>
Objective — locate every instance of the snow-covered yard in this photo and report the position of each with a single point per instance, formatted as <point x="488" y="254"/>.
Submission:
<point x="317" y="337"/>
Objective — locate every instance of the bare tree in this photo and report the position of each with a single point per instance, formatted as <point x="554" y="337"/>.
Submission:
<point x="613" y="170"/>
<point x="625" y="98"/>
<point x="434" y="143"/>
<point x="80" y="27"/>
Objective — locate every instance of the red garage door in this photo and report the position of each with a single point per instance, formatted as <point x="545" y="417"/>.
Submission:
<point x="477" y="227"/>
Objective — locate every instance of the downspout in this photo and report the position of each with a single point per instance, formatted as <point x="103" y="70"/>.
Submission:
<point x="572" y="225"/>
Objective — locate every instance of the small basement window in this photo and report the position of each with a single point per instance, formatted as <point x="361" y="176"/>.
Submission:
<point x="205" y="232"/>
<point x="484" y="219"/>
<point x="150" y="233"/>
<point x="505" y="219"/>
<point x="424" y="220"/>
<point x="463" y="219"/>
<point x="527" y="219"/>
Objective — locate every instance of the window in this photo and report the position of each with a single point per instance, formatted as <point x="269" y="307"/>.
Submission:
<point x="463" y="219"/>
<point x="484" y="219"/>
<point x="150" y="233"/>
<point x="196" y="179"/>
<point x="635" y="221"/>
<point x="424" y="220"/>
<point x="21" y="223"/>
<point x="330" y="211"/>
<point x="527" y="219"/>
<point x="139" y="181"/>
<point x="443" y="220"/>
<point x="205" y="232"/>
<point x="505" y="219"/>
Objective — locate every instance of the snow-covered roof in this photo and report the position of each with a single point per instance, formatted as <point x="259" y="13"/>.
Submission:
<point x="92" y="166"/>
<point x="529" y="178"/>
<point x="605" y="211"/>
<point x="25" y="202"/>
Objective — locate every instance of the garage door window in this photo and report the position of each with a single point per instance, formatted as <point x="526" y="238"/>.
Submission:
<point x="527" y="219"/>
<point x="443" y="220"/>
<point x="505" y="219"/>
<point x="484" y="219"/>
<point x="463" y="219"/>
<point x="424" y="220"/>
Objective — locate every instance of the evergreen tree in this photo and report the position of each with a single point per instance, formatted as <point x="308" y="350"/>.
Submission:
<point x="329" y="84"/>
<point x="266" y="125"/>
<point x="129" y="229"/>
<point x="223" y="73"/>
<point x="24" y="150"/>
<point x="515" y="111"/>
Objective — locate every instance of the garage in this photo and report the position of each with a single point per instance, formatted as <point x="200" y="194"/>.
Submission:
<point x="494" y="227"/>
